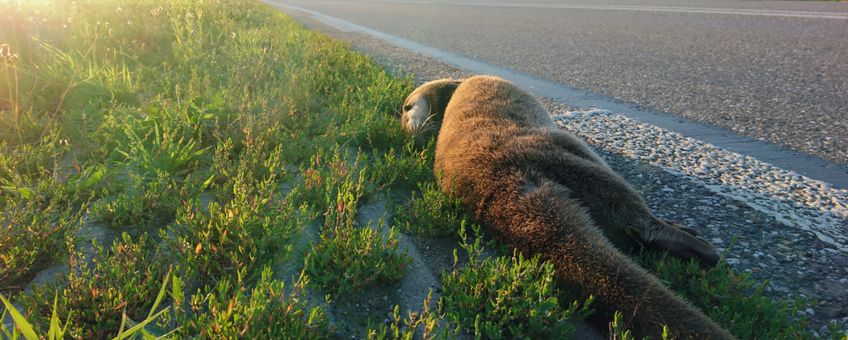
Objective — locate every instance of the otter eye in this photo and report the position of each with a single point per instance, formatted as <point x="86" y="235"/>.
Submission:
<point x="407" y="107"/>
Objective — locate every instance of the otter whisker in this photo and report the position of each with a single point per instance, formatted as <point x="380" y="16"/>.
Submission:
<point x="429" y="122"/>
<point x="424" y="127"/>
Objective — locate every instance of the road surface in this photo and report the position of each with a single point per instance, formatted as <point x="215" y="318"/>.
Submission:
<point x="774" y="71"/>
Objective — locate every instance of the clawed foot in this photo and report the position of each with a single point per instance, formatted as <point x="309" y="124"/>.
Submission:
<point x="682" y="242"/>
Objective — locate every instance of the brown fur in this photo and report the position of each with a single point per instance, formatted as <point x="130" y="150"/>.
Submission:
<point x="543" y="191"/>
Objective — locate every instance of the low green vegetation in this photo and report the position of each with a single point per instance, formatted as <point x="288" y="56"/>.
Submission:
<point x="619" y="331"/>
<point x="423" y="324"/>
<point x="210" y="136"/>
<point x="430" y="212"/>
<point x="122" y="281"/>
<point x="507" y="297"/>
<point x="349" y="257"/>
<point x="733" y="300"/>
<point x="32" y="236"/>
<point x="166" y="159"/>
<point x="267" y="311"/>
<point x="58" y="329"/>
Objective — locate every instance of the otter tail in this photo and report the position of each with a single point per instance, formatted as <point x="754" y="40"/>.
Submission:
<point x="540" y="218"/>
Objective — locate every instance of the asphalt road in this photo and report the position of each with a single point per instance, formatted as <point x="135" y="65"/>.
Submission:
<point x="772" y="70"/>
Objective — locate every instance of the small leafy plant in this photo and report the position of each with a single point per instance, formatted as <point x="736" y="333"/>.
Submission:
<point x="97" y="299"/>
<point x="349" y="257"/>
<point x="268" y="311"/>
<point x="238" y="238"/>
<point x="733" y="300"/>
<point x="619" y="331"/>
<point x="32" y="237"/>
<point x="162" y="151"/>
<point x="506" y="297"/>
<point x="432" y="214"/>
<point x="59" y="330"/>
<point x="145" y="204"/>
<point x="424" y="324"/>
<point x="404" y="167"/>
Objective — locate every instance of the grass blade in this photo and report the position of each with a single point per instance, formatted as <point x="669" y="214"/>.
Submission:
<point x="55" y="327"/>
<point x="20" y="321"/>
<point x="140" y="325"/>
<point x="161" y="293"/>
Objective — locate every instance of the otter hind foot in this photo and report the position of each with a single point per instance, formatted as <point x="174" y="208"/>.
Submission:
<point x="682" y="242"/>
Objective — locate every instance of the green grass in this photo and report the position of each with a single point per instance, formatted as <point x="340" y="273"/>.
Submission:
<point x="211" y="136"/>
<point x="207" y="132"/>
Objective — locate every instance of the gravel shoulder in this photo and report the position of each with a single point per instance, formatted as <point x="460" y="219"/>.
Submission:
<point x="776" y="225"/>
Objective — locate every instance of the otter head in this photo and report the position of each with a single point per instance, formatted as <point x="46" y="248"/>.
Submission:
<point x="424" y="108"/>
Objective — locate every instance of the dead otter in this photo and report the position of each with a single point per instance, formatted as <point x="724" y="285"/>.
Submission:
<point x="543" y="191"/>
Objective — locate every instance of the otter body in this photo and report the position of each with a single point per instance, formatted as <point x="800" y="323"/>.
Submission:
<point x="543" y="191"/>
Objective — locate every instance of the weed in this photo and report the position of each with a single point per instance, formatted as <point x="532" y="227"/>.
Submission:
<point x="424" y="324"/>
<point x="162" y="152"/>
<point x="95" y="297"/>
<point x="432" y="214"/>
<point x="733" y="300"/>
<point x="145" y="203"/>
<point x="11" y="91"/>
<point x="506" y="297"/>
<point x="59" y="330"/>
<point x="252" y="168"/>
<point x="30" y="161"/>
<point x="238" y="238"/>
<point x="348" y="258"/>
<point x="32" y="237"/>
<point x="268" y="311"/>
<point x="404" y="168"/>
